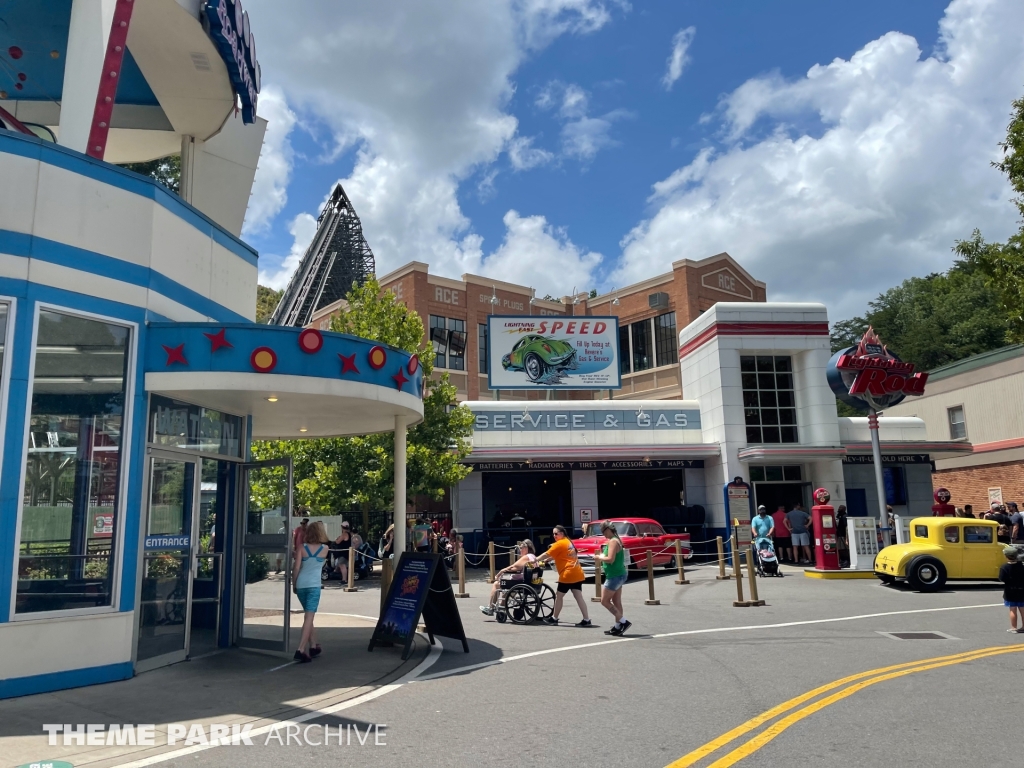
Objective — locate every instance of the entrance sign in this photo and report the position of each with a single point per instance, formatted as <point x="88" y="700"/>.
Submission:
<point x="228" y="27"/>
<point x="737" y="509"/>
<point x="553" y="353"/>
<point x="420" y="586"/>
<point x="869" y="376"/>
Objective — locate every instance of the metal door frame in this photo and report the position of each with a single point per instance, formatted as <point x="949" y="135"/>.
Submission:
<point x="177" y="655"/>
<point x="238" y="591"/>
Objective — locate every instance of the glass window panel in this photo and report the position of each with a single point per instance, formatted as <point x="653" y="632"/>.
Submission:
<point x="642" y="347"/>
<point x="787" y="416"/>
<point x="183" y="425"/>
<point x="766" y="381"/>
<point x="786" y="399"/>
<point x="747" y="364"/>
<point x="783" y="365"/>
<point x="769" y="416"/>
<point x="481" y="342"/>
<point x="768" y="400"/>
<point x="957" y="423"/>
<point x="624" y="361"/>
<point x="665" y="339"/>
<point x="788" y="435"/>
<point x="756" y="474"/>
<point x="784" y="380"/>
<point x="753" y="434"/>
<point x="749" y="381"/>
<point x="771" y="435"/>
<point x="773" y="474"/>
<point x="750" y="400"/>
<point x="761" y="392"/>
<point x="439" y="340"/>
<point x="791" y="472"/>
<point x="765" y="364"/>
<point x="73" y="464"/>
<point x="456" y="344"/>
<point x="752" y="417"/>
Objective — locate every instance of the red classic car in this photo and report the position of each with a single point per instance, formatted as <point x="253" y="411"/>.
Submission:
<point x="638" y="534"/>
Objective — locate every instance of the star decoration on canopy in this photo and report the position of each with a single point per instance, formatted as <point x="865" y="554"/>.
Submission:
<point x="175" y="354"/>
<point x="218" y="340"/>
<point x="348" y="363"/>
<point x="400" y="378"/>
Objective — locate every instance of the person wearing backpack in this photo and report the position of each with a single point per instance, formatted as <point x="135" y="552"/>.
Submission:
<point x="1011" y="573"/>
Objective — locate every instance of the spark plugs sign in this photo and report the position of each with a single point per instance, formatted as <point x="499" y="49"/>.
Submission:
<point x="869" y="375"/>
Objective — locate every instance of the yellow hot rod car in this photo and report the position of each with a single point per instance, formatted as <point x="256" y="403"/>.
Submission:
<point x="941" y="549"/>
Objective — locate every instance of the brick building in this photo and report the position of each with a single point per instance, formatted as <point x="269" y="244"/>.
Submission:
<point x="650" y="314"/>
<point x="980" y="401"/>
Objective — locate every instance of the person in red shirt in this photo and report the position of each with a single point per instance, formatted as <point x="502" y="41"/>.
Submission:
<point x="782" y="540"/>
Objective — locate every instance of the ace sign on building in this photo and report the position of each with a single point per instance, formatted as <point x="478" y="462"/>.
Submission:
<point x="554" y="353"/>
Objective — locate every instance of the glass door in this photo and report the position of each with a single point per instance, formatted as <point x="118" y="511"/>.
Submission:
<point x="168" y="562"/>
<point x="263" y="585"/>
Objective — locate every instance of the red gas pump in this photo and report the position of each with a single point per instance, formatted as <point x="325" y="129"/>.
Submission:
<point x="823" y="519"/>
<point x="942" y="507"/>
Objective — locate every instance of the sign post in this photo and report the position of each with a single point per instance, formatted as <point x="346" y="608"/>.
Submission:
<point x="738" y="509"/>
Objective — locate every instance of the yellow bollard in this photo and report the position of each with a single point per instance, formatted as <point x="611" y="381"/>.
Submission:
<point x="650" y="579"/>
<point x="721" y="561"/>
<point x="739" y="602"/>
<point x="752" y="577"/>
<point x="490" y="558"/>
<point x="351" y="570"/>
<point x="462" y="569"/>
<point x="679" y="564"/>
<point x="385" y="579"/>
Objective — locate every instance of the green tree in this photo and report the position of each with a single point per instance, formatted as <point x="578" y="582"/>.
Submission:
<point x="267" y="300"/>
<point x="336" y="474"/>
<point x="166" y="170"/>
<point x="1003" y="263"/>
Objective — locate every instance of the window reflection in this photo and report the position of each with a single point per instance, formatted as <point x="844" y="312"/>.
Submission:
<point x="73" y="464"/>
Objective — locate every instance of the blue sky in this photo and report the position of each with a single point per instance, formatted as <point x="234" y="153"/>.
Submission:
<point x="545" y="142"/>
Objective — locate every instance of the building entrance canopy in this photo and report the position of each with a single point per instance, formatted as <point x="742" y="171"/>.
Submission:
<point x="294" y="383"/>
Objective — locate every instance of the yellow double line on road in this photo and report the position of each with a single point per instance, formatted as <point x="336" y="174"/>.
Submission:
<point x="854" y="682"/>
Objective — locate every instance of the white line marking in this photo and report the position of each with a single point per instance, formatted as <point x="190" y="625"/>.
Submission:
<point x="423" y="666"/>
<point x="286" y="664"/>
<point x="532" y="654"/>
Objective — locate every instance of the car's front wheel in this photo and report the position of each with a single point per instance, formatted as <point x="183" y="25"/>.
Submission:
<point x="534" y="366"/>
<point x="926" y="574"/>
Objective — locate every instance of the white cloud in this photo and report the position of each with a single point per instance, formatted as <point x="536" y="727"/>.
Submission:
<point x="270" y="187"/>
<point x="679" y="57"/>
<point x="523" y="155"/>
<point x="422" y="88"/>
<point x="302" y="229"/>
<point x="896" y="168"/>
<point x="582" y="136"/>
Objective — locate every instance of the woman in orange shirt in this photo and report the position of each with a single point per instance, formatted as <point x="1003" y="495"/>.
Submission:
<point x="570" y="575"/>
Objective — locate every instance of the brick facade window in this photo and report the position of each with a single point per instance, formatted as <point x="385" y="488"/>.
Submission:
<point x="769" y="402"/>
<point x="643" y="348"/>
<point x="624" y="361"/>
<point x="666" y="344"/>
<point x="481" y="345"/>
<point x="439" y="340"/>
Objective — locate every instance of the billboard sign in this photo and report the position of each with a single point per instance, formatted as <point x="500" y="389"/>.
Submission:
<point x="869" y="376"/>
<point x="553" y="353"/>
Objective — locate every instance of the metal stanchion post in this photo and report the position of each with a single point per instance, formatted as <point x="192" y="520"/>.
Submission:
<point x="739" y="602"/>
<point x="351" y="570"/>
<point x="433" y="544"/>
<point x="462" y="570"/>
<point x="385" y="579"/>
<point x="650" y="579"/>
<point x="490" y="558"/>
<point x="511" y="557"/>
<point x="597" y="583"/>
<point x="679" y="564"/>
<point x="721" y="561"/>
<point x="752" y="577"/>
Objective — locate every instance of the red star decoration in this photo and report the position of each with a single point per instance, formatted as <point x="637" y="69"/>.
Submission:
<point x="218" y="340"/>
<point x="348" y="363"/>
<point x="400" y="378"/>
<point x="175" y="354"/>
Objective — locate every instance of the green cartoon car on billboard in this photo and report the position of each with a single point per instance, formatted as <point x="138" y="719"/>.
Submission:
<point x="540" y="357"/>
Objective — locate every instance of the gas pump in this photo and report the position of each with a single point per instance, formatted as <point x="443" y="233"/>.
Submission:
<point x="823" y="520"/>
<point x="942" y="507"/>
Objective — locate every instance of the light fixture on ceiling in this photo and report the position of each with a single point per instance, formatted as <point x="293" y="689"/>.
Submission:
<point x="303" y="429"/>
<point x="272" y="399"/>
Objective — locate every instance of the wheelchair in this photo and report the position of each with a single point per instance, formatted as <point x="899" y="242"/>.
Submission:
<point x="526" y="599"/>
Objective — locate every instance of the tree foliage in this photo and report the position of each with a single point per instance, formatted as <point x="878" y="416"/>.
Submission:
<point x="267" y="300"/>
<point x="332" y="475"/>
<point x="166" y="170"/>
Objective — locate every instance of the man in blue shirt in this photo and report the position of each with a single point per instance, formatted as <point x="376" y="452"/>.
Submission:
<point x="762" y="526"/>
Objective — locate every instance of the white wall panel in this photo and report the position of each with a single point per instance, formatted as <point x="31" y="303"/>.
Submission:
<point x="65" y="644"/>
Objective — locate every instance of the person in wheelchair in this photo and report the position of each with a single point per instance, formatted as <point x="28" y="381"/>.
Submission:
<point x="511" y="573"/>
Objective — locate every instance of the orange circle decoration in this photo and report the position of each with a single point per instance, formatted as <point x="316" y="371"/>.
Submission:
<point x="378" y="357"/>
<point x="263" y="359"/>
<point x="311" y="341"/>
<point x="414" y="365"/>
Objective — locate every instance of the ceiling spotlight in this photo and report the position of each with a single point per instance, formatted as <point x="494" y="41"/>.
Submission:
<point x="271" y="399"/>
<point x="303" y="429"/>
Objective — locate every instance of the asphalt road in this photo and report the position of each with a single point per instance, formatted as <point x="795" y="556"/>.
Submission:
<point x="693" y="669"/>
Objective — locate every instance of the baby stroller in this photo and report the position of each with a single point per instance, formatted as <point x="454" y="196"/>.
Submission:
<point x="764" y="554"/>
